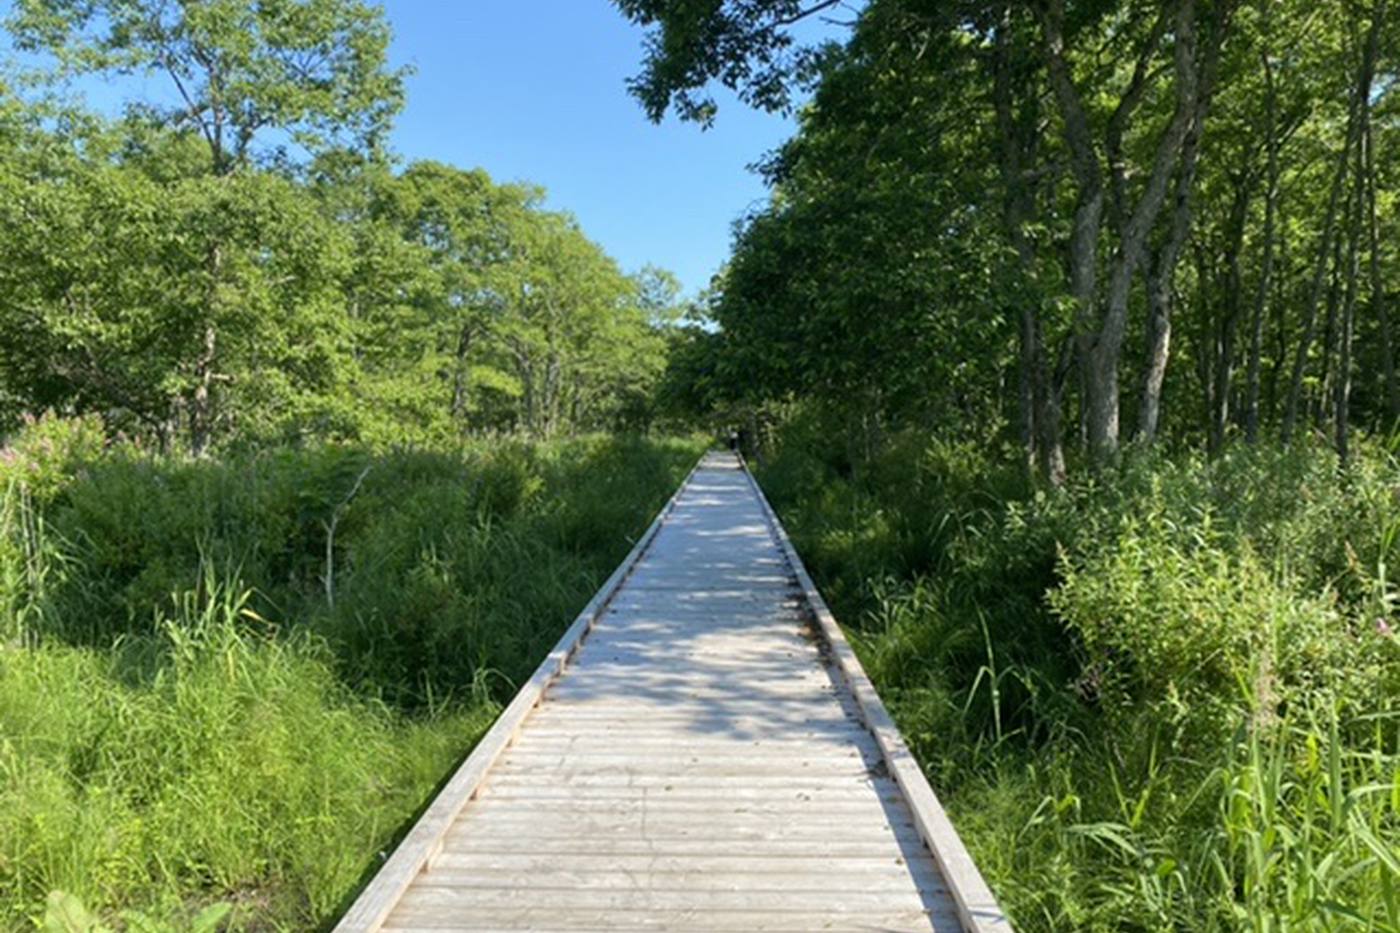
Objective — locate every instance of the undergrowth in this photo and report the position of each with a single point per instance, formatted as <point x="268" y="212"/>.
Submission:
<point x="226" y="686"/>
<point x="1164" y="698"/>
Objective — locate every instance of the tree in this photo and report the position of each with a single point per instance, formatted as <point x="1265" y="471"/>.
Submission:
<point x="747" y="45"/>
<point x="311" y="70"/>
<point x="740" y="44"/>
<point x="105" y="289"/>
<point x="1107" y="186"/>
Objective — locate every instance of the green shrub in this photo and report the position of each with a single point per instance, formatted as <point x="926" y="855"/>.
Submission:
<point x="1165" y="697"/>
<point x="49" y="452"/>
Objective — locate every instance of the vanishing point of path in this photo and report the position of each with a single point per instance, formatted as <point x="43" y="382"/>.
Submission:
<point x="701" y="752"/>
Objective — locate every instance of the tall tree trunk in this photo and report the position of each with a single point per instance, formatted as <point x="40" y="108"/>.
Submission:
<point x="1278" y="359"/>
<point x="1351" y="272"/>
<point x="1379" y="305"/>
<point x="461" y="377"/>
<point x="1205" y="337"/>
<point x="202" y="400"/>
<point x="1159" y="341"/>
<point x="1266" y="270"/>
<point x="529" y="391"/>
<point x="1192" y="97"/>
<point x="1315" y="291"/>
<point x="1101" y="336"/>
<point x="1038" y="402"/>
<point x="202" y="404"/>
<point x="1089" y="203"/>
<point x="1377" y="287"/>
<point x="1026" y="388"/>
<point x="1359" y="97"/>
<point x="1359" y="213"/>
<point x="552" y="393"/>
<point x="1049" y="393"/>
<point x="1229" y="321"/>
<point x="1322" y="405"/>
<point x="1161" y="274"/>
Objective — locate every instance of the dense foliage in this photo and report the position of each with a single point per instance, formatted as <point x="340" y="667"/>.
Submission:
<point x="1164" y="699"/>
<point x="1064" y="345"/>
<point x="235" y="681"/>
<point x="248" y="265"/>
<point x="1147" y="220"/>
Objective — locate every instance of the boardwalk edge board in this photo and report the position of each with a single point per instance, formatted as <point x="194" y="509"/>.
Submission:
<point x="378" y="899"/>
<point x="977" y="907"/>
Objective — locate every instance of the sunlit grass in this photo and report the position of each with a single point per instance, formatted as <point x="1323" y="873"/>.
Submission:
<point x="1166" y="698"/>
<point x="192" y="716"/>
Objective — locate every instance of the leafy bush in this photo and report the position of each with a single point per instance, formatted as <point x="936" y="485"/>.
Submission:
<point x="1166" y="697"/>
<point x="46" y="456"/>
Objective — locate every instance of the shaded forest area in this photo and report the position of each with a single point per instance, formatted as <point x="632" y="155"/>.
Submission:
<point x="1094" y="224"/>
<point x="1065" y="348"/>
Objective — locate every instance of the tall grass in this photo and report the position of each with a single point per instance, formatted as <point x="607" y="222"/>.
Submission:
<point x="234" y="682"/>
<point x="1166" y="698"/>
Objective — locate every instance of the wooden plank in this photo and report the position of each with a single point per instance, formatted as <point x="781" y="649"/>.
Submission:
<point x="435" y="893"/>
<point x="734" y="871"/>
<point x="606" y="672"/>
<point x="548" y="721"/>
<point x="547" y="918"/>
<point x="977" y="907"/>
<point x="658" y="744"/>
<point x="570" y="767"/>
<point x="800" y="878"/>
<point x="679" y="783"/>
<point x="654" y="691"/>
<point x="683" y="808"/>
<point x="378" y="898"/>
<point x="723" y="705"/>
<point x="876" y="822"/>
<point x="767" y="848"/>
<point x="794" y="786"/>
<point x="658" y="835"/>
<point x="703" y="793"/>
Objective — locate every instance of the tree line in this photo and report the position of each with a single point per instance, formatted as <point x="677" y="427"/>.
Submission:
<point x="1091" y="223"/>
<point x="246" y="259"/>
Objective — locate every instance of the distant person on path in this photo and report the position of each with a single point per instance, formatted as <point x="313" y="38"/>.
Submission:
<point x="734" y="440"/>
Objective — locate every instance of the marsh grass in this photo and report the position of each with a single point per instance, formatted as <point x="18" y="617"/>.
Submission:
<point x="1166" y="698"/>
<point x="189" y="718"/>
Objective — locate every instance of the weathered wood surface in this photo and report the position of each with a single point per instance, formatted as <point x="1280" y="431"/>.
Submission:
<point x="701" y="752"/>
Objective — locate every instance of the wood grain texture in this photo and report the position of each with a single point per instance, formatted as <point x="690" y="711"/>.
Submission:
<point x="977" y="907"/>
<point x="700" y="752"/>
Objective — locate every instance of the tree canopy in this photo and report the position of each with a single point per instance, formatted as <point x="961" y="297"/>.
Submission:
<point x="1140" y="219"/>
<point x="247" y="262"/>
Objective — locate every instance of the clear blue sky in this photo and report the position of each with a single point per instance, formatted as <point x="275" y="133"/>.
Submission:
<point x="534" y="90"/>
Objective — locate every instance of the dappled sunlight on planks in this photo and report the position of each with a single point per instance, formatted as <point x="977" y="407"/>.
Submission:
<point x="699" y="763"/>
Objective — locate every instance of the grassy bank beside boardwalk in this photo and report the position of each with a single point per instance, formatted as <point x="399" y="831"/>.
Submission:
<point x="233" y="681"/>
<point x="1166" y="697"/>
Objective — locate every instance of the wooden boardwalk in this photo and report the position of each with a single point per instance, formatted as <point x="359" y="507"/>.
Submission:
<point x="700" y="752"/>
